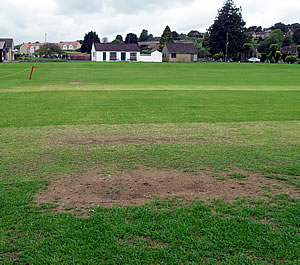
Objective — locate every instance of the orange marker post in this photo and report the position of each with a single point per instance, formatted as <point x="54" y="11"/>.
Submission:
<point x="31" y="73"/>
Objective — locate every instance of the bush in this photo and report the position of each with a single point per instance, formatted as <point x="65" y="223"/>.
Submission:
<point x="291" y="59"/>
<point x="263" y="57"/>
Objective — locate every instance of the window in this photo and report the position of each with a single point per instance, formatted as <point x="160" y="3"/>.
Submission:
<point x="173" y="55"/>
<point x="133" y="56"/>
<point x="113" y="56"/>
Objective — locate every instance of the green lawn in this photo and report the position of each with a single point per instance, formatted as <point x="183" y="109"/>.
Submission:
<point x="231" y="120"/>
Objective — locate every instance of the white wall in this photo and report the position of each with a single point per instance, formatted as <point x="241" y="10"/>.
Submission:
<point x="98" y="56"/>
<point x="155" y="57"/>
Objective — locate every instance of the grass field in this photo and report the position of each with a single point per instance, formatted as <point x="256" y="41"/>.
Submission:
<point x="131" y="163"/>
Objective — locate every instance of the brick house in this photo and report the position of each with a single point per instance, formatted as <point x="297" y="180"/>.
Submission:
<point x="180" y="52"/>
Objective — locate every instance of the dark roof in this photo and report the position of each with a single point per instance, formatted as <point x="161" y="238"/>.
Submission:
<point x="117" y="47"/>
<point x="289" y="49"/>
<point x="181" y="48"/>
<point x="9" y="42"/>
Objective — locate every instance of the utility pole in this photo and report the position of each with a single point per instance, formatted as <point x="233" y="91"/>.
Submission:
<point x="227" y="43"/>
<point x="45" y="37"/>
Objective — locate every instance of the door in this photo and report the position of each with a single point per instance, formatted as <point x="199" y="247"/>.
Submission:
<point x="192" y="58"/>
<point x="123" y="56"/>
<point x="104" y="56"/>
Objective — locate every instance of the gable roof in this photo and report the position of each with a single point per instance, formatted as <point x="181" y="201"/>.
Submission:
<point x="181" y="48"/>
<point x="117" y="47"/>
<point x="8" y="41"/>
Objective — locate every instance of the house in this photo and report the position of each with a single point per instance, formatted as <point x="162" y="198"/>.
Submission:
<point x="30" y="48"/>
<point x="111" y="52"/>
<point x="69" y="45"/>
<point x="289" y="50"/>
<point x="180" y="52"/>
<point x="7" y="52"/>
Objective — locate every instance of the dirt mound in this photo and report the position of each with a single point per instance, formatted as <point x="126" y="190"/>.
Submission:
<point x="137" y="187"/>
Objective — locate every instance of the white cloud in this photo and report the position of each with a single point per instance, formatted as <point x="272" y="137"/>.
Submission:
<point x="71" y="19"/>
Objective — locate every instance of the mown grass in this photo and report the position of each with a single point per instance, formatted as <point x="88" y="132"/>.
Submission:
<point x="41" y="139"/>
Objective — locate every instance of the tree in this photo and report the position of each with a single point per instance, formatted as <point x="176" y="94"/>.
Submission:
<point x="296" y="37"/>
<point x="263" y="57"/>
<point x="288" y="41"/>
<point x="118" y="39"/>
<point x="273" y="49"/>
<point x="298" y="50"/>
<point x="88" y="41"/>
<point x="230" y="25"/>
<point x="104" y="40"/>
<point x="144" y="35"/>
<point x="50" y="49"/>
<point x="175" y="35"/>
<point x="247" y="49"/>
<point x="284" y="28"/>
<point x="166" y="37"/>
<point x="275" y="37"/>
<point x="131" y="38"/>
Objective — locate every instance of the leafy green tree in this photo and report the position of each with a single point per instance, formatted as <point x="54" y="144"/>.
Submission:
<point x="166" y="37"/>
<point x="228" y="21"/>
<point x="276" y="37"/>
<point x="296" y="37"/>
<point x="144" y="35"/>
<point x="298" y="50"/>
<point x="131" y="38"/>
<point x="247" y="49"/>
<point x="50" y="49"/>
<point x="202" y="51"/>
<point x="284" y="28"/>
<point x="88" y="41"/>
<point x="175" y="35"/>
<point x="288" y="41"/>
<point x="119" y="38"/>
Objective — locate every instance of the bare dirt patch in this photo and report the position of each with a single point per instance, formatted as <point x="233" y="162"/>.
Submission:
<point x="137" y="187"/>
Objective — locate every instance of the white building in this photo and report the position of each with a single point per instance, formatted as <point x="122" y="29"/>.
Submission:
<point x="118" y="52"/>
<point x="154" y="57"/>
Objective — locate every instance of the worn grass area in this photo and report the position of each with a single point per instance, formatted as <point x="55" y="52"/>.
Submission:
<point x="46" y="136"/>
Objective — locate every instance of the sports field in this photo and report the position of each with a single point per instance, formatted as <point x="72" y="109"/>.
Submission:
<point x="132" y="163"/>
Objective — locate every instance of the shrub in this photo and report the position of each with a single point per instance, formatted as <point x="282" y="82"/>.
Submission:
<point x="263" y="57"/>
<point x="291" y="59"/>
<point x="278" y="55"/>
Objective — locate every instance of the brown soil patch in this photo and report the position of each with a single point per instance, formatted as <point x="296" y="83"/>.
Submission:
<point x="137" y="187"/>
<point x="111" y="140"/>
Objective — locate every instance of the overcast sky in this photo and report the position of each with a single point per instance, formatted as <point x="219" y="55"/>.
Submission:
<point x="65" y="20"/>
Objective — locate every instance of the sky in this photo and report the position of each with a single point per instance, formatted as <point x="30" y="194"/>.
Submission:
<point x="69" y="20"/>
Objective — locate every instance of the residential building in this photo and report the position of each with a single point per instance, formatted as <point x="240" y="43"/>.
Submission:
<point x="30" y="48"/>
<point x="291" y="50"/>
<point x="69" y="45"/>
<point x="7" y="52"/>
<point x="180" y="52"/>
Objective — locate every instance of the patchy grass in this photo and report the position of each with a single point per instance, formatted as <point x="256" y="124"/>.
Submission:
<point x="190" y="118"/>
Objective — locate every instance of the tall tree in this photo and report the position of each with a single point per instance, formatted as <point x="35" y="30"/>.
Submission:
<point x="131" y="38"/>
<point x="284" y="28"/>
<point x="288" y="41"/>
<point x="166" y="37"/>
<point x="296" y="37"/>
<point x="144" y="35"/>
<point x="88" y="41"/>
<point x="228" y="25"/>
<point x="175" y="35"/>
